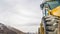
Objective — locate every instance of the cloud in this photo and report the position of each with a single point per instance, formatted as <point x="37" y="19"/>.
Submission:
<point x="17" y="13"/>
<point x="32" y="24"/>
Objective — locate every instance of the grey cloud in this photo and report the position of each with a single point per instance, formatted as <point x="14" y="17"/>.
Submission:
<point x="29" y="24"/>
<point x="32" y="24"/>
<point x="10" y="15"/>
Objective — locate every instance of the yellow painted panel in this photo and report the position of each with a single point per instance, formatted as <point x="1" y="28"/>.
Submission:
<point x="56" y="11"/>
<point x="41" y="29"/>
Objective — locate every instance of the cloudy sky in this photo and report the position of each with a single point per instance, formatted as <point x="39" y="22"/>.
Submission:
<point x="24" y="15"/>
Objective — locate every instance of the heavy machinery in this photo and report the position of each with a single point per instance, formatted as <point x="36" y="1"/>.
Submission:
<point x="50" y="23"/>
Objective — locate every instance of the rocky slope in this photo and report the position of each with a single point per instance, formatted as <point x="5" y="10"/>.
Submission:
<point x="9" y="30"/>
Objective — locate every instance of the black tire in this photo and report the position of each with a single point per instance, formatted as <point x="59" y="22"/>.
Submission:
<point x="50" y="24"/>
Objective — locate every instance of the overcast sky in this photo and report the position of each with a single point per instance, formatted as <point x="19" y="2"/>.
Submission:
<point x="24" y="15"/>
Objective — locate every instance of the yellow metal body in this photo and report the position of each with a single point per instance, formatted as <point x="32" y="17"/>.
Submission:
<point x="41" y="29"/>
<point x="54" y="12"/>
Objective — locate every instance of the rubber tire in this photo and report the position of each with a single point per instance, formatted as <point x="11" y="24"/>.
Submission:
<point x="50" y="24"/>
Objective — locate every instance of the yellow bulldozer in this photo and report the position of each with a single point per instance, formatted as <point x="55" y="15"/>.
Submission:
<point x="50" y="23"/>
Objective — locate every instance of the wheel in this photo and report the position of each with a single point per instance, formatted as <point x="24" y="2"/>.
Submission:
<point x="50" y="24"/>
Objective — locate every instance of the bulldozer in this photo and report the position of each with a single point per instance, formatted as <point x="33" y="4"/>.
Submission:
<point x="50" y="22"/>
